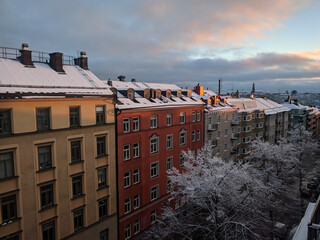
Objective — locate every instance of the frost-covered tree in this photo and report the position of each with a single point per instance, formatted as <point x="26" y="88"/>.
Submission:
<point x="222" y="200"/>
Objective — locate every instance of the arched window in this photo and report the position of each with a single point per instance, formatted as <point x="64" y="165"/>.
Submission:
<point x="154" y="144"/>
<point x="158" y="93"/>
<point x="189" y="93"/>
<point x="130" y="93"/>
<point x="183" y="137"/>
<point x="179" y="94"/>
<point x="147" y="93"/>
<point x="168" y="93"/>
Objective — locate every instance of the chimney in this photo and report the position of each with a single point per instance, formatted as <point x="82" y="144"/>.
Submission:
<point x="25" y="58"/>
<point x="133" y="80"/>
<point x="121" y="78"/>
<point x="56" y="61"/>
<point x="219" y="87"/>
<point x="199" y="90"/>
<point x="109" y="82"/>
<point x="82" y="61"/>
<point x="238" y="94"/>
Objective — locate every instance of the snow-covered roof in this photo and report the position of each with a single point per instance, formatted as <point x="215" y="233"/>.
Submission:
<point x="140" y="101"/>
<point x="247" y="104"/>
<point x="293" y="106"/>
<point x="16" y="78"/>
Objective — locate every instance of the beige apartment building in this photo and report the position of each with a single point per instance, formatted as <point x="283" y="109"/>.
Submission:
<point x="57" y="149"/>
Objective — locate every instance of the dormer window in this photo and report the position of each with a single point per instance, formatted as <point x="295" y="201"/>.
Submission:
<point x="168" y="93"/>
<point x="189" y="93"/>
<point x="158" y="93"/>
<point x="179" y="94"/>
<point x="209" y="102"/>
<point x="130" y="94"/>
<point x="147" y="93"/>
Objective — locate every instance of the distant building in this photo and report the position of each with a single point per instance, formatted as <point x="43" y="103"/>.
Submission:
<point x="155" y="123"/>
<point x="57" y="148"/>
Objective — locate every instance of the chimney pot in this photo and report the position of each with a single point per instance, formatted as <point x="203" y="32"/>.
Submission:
<point x="83" y="54"/>
<point x="25" y="46"/>
<point x="133" y="80"/>
<point x="121" y="78"/>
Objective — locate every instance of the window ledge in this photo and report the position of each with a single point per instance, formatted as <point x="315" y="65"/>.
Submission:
<point x="8" y="178"/>
<point x="78" y="196"/>
<point x="101" y="156"/>
<point x="48" y="207"/>
<point x="102" y="187"/>
<point x="101" y="124"/>
<point x="10" y="221"/>
<point x="45" y="169"/>
<point x="76" y="162"/>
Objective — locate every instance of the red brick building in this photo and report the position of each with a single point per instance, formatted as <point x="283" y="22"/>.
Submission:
<point x="155" y="123"/>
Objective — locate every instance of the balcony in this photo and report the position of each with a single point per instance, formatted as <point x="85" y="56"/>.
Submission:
<point x="212" y="127"/>
<point x="212" y="143"/>
<point x="234" y="136"/>
<point x="234" y="122"/>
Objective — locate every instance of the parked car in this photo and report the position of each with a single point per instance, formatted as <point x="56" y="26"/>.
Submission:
<point x="312" y="184"/>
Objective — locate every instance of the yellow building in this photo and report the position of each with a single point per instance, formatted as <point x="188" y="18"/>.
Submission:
<point x="57" y="149"/>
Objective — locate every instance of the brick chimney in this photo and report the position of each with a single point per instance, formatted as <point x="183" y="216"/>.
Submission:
<point x="25" y="58"/>
<point x="82" y="61"/>
<point x="133" y="80"/>
<point x="199" y="90"/>
<point x="121" y="78"/>
<point x="56" y="61"/>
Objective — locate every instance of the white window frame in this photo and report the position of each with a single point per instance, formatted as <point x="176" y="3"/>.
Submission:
<point x="193" y="135"/>
<point x="127" y="205"/>
<point x="198" y="135"/>
<point x="127" y="179"/>
<point x="127" y="231"/>
<point x="154" y="144"/>
<point x="154" y="169"/>
<point x="194" y="116"/>
<point x="182" y="118"/>
<point x="126" y="152"/>
<point x="153" y="121"/>
<point x="169" y="141"/>
<point x="183" y="137"/>
<point x="136" y="226"/>
<point x="136" y="124"/>
<point x="169" y="119"/>
<point x="136" y="150"/>
<point x="126" y="125"/>
<point x="136" y="176"/>
<point x="169" y="164"/>
<point x="153" y="215"/>
<point x="226" y="131"/>
<point x="169" y="186"/>
<point x="136" y="201"/>
<point x="154" y="192"/>
<point x="199" y="116"/>
<point x="181" y="160"/>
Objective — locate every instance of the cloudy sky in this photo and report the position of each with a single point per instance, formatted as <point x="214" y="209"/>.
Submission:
<point x="273" y="43"/>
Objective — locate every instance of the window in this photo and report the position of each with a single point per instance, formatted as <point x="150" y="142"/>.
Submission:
<point x="8" y="208"/>
<point x="154" y="169"/>
<point x="154" y="143"/>
<point x="102" y="182"/>
<point x="43" y="119"/>
<point x="136" y="150"/>
<point x="153" y="216"/>
<point x="101" y="146"/>
<point x="103" y="208"/>
<point x="209" y="136"/>
<point x="44" y="157"/>
<point x="136" y="124"/>
<point x="169" y="119"/>
<point x="218" y="134"/>
<point x="169" y="141"/>
<point x="126" y="125"/>
<point x="182" y="118"/>
<point x="198" y="134"/>
<point x="168" y="94"/>
<point x="183" y="137"/>
<point x="154" y="192"/>
<point x="193" y="135"/>
<point x="218" y="149"/>
<point x="226" y="131"/>
<point x="199" y="115"/>
<point x="126" y="152"/>
<point x="127" y="231"/>
<point x="136" y="226"/>
<point x="104" y="235"/>
<point x="127" y="205"/>
<point x="5" y="122"/>
<point x="210" y="120"/>
<point x="74" y="116"/>
<point x="169" y="185"/>
<point x="181" y="160"/>
<point x="219" y="119"/>
<point x="136" y="201"/>
<point x="46" y="196"/>
<point x="227" y="117"/>
<point x="78" y="219"/>
<point x="77" y="186"/>
<point x="127" y="181"/>
<point x="100" y="114"/>
<point x="169" y="163"/>
<point x="48" y="231"/>
<point x="153" y="121"/>
<point x="194" y="116"/>
<point x="225" y="147"/>
<point x="6" y="165"/>
<point x="136" y="176"/>
<point x="75" y="151"/>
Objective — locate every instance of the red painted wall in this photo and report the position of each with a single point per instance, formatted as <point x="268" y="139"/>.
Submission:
<point x="143" y="162"/>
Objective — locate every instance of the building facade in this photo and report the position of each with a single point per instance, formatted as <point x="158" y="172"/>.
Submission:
<point x="57" y="149"/>
<point x="155" y="123"/>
